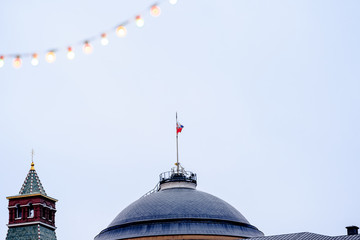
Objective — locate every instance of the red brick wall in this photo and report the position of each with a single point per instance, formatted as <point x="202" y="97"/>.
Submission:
<point x="38" y="203"/>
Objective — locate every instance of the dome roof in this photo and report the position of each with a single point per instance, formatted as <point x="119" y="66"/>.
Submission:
<point x="178" y="203"/>
<point x="177" y="208"/>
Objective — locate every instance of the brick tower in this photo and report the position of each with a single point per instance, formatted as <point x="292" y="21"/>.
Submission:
<point x="31" y="212"/>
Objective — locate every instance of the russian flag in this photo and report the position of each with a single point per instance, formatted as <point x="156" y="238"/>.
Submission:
<point x="179" y="127"/>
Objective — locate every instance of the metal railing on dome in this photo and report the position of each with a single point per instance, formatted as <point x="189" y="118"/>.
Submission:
<point x="173" y="176"/>
<point x="155" y="189"/>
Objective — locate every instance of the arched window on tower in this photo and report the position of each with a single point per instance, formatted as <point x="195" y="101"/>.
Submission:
<point x="18" y="211"/>
<point x="31" y="211"/>
<point x="43" y="213"/>
<point x="50" y="216"/>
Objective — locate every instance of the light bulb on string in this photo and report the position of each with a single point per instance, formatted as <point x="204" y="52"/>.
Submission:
<point x="17" y="62"/>
<point x="50" y="57"/>
<point x="139" y="21"/>
<point x="121" y="31"/>
<point x="155" y="11"/>
<point x="70" y="54"/>
<point x="2" y="61"/>
<point x="173" y="2"/>
<point x="87" y="48"/>
<point x="35" y="59"/>
<point x="104" y="39"/>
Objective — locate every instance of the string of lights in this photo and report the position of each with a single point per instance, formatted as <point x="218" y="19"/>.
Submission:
<point x="87" y="47"/>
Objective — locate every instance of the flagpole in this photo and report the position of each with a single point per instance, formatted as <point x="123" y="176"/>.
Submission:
<point x="177" y="146"/>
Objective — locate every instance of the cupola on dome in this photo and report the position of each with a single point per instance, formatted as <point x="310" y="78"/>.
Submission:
<point x="176" y="208"/>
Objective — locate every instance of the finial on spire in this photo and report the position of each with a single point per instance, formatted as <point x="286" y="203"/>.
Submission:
<point x="32" y="160"/>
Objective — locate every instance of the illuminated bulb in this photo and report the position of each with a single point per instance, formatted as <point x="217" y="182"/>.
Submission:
<point x="70" y="54"/>
<point x="35" y="60"/>
<point x="87" y="48"/>
<point x="173" y="2"/>
<point x="121" y="31"/>
<point x="104" y="39"/>
<point x="2" y="62"/>
<point x="50" y="57"/>
<point x="139" y="21"/>
<point x="155" y="11"/>
<point x="17" y="62"/>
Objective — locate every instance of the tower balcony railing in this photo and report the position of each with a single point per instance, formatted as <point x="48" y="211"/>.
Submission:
<point x="174" y="176"/>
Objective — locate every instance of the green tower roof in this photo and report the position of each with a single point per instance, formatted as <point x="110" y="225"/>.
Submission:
<point x="32" y="183"/>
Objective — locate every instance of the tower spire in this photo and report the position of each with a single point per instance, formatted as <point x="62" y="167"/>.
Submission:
<point x="32" y="211"/>
<point x="179" y="128"/>
<point x="32" y="160"/>
<point x="177" y="146"/>
<point x="32" y="155"/>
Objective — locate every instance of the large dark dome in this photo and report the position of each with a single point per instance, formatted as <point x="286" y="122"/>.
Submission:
<point x="177" y="208"/>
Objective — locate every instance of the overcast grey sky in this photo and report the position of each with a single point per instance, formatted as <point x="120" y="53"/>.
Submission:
<point x="268" y="92"/>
